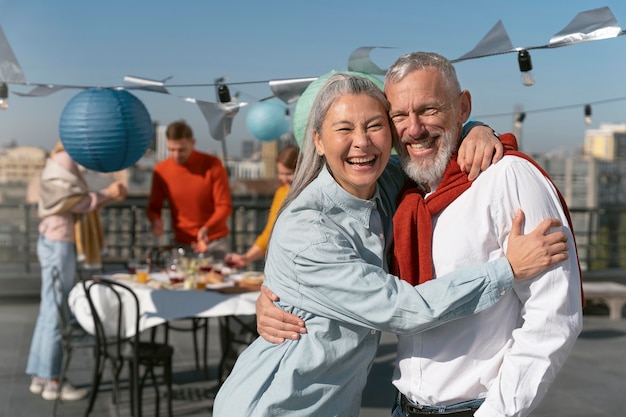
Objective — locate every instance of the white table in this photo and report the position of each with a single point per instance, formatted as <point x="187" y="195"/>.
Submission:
<point x="158" y="306"/>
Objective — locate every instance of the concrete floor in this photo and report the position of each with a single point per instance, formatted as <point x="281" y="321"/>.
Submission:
<point x="592" y="382"/>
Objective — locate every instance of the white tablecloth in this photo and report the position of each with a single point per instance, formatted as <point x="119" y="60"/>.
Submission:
<point x="158" y="306"/>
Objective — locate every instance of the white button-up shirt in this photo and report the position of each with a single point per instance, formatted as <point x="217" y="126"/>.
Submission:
<point x="509" y="353"/>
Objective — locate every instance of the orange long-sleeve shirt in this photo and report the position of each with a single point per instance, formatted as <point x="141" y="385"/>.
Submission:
<point x="198" y="194"/>
<point x="264" y="238"/>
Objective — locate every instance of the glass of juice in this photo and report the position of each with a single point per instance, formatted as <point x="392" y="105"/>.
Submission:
<point x="201" y="280"/>
<point x="142" y="273"/>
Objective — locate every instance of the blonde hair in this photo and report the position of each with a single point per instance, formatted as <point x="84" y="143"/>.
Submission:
<point x="58" y="147"/>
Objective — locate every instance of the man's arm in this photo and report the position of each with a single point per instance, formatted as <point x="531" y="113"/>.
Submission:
<point x="552" y="304"/>
<point x="220" y="190"/>
<point x="482" y="147"/>
<point x="527" y="255"/>
<point x="155" y="203"/>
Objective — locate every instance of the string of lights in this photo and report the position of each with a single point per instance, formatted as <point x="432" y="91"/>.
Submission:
<point x="586" y="106"/>
<point x="591" y="25"/>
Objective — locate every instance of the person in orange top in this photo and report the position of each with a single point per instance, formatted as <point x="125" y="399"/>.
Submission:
<point x="195" y="185"/>
<point x="285" y="166"/>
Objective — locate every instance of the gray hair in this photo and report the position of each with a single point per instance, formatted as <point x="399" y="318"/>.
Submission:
<point x="415" y="61"/>
<point x="309" y="162"/>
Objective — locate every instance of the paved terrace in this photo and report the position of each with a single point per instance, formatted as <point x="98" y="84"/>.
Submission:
<point x="592" y="383"/>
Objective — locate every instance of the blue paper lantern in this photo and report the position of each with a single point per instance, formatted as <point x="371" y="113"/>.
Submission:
<point x="305" y="102"/>
<point x="267" y="120"/>
<point x="105" y="130"/>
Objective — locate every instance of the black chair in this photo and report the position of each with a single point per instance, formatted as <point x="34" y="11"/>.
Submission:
<point x="195" y="324"/>
<point x="119" y="349"/>
<point x="73" y="336"/>
<point x="236" y="334"/>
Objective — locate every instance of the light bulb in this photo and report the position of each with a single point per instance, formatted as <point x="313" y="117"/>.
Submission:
<point x="528" y="79"/>
<point x="525" y="66"/>
<point x="3" y="105"/>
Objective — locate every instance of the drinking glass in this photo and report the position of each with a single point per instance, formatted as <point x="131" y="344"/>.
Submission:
<point x="142" y="274"/>
<point x="132" y="265"/>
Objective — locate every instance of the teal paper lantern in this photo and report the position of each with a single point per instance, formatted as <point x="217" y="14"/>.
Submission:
<point x="305" y="102"/>
<point x="105" y="130"/>
<point x="267" y="120"/>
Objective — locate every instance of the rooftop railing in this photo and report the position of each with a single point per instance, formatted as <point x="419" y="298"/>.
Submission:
<point x="600" y="233"/>
<point x="126" y="231"/>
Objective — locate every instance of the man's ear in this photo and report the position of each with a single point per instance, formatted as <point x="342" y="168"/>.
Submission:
<point x="465" y="105"/>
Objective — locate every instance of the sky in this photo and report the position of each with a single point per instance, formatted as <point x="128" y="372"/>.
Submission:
<point x="97" y="43"/>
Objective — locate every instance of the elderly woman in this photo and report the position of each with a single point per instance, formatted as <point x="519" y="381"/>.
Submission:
<point x="327" y="261"/>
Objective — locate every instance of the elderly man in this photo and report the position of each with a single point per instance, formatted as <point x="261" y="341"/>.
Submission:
<point x="499" y="362"/>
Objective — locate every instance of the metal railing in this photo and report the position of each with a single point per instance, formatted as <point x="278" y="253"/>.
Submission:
<point x="126" y="230"/>
<point x="600" y="233"/>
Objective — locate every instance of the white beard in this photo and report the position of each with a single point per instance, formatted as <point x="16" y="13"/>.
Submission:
<point x="428" y="170"/>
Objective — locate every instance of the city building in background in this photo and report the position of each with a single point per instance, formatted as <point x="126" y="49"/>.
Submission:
<point x="588" y="182"/>
<point x="608" y="142"/>
<point x="18" y="164"/>
<point x="249" y="149"/>
<point x="592" y="180"/>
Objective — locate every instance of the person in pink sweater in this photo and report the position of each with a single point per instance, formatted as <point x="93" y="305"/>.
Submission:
<point x="63" y="196"/>
<point x="195" y="186"/>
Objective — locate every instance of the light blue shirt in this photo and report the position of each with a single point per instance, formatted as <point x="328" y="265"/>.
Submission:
<point x="327" y="266"/>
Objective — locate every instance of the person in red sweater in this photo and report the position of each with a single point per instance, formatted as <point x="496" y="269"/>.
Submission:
<point x="195" y="185"/>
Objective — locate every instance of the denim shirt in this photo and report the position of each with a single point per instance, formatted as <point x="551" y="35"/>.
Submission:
<point x="326" y="266"/>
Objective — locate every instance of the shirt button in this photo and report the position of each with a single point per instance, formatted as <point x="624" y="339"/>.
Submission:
<point x="372" y="331"/>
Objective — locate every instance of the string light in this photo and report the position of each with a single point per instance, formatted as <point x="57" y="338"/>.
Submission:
<point x="223" y="93"/>
<point x="519" y="120"/>
<point x="4" y="95"/>
<point x="525" y="66"/>
<point x="549" y="109"/>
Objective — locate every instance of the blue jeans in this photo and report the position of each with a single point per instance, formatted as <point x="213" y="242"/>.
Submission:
<point x="396" y="411"/>
<point x="46" y="348"/>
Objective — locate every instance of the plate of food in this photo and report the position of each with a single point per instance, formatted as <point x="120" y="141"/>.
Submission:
<point x="251" y="280"/>
<point x="122" y="276"/>
<point x="216" y="280"/>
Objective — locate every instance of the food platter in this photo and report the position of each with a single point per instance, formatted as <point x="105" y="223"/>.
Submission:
<point x="226" y="280"/>
<point x="239" y="282"/>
